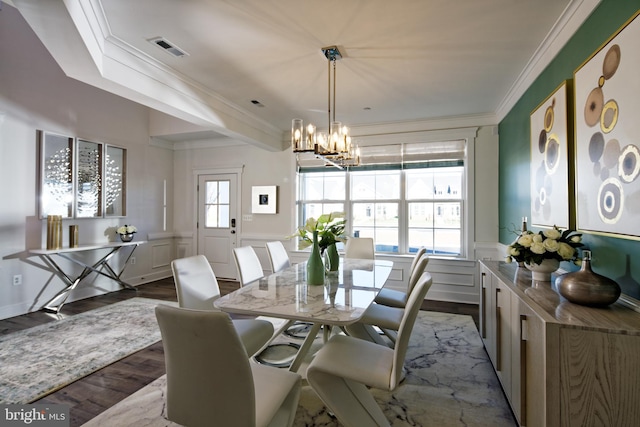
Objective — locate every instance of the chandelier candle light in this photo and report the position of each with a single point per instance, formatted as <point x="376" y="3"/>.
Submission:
<point x="334" y="146"/>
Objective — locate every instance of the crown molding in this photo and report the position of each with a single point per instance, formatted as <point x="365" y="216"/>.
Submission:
<point x="574" y="15"/>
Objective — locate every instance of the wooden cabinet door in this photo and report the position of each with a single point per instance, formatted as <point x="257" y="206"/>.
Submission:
<point x="503" y="334"/>
<point x="487" y="312"/>
<point x="599" y="378"/>
<point x="528" y="366"/>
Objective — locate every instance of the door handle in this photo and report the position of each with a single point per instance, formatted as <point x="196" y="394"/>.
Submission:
<point x="233" y="231"/>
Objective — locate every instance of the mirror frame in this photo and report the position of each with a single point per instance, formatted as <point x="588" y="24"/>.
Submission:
<point x="115" y="181"/>
<point x="55" y="174"/>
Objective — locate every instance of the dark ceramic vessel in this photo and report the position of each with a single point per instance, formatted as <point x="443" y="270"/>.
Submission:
<point x="585" y="287"/>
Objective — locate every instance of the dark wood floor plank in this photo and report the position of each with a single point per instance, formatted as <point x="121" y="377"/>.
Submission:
<point x="93" y="394"/>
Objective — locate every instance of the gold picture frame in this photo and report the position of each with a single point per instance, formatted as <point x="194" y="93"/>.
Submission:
<point x="550" y="154"/>
<point x="607" y="137"/>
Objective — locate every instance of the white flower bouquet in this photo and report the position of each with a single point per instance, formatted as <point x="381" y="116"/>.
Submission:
<point x="126" y="229"/>
<point x="533" y="248"/>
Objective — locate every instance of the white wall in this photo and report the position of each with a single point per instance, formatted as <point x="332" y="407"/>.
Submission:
<point x="35" y="94"/>
<point x="486" y="193"/>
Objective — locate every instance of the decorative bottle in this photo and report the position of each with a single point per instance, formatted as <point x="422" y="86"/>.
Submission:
<point x="522" y="231"/>
<point x="315" y="266"/>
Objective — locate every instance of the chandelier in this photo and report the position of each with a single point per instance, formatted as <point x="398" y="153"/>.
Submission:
<point x="333" y="146"/>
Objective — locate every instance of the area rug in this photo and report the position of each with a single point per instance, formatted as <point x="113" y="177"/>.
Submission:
<point x="37" y="361"/>
<point x="449" y="382"/>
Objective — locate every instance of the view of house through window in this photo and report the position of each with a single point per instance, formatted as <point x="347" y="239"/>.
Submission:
<point x="217" y="204"/>
<point x="402" y="205"/>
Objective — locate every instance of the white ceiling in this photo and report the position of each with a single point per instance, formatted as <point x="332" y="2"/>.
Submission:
<point x="404" y="60"/>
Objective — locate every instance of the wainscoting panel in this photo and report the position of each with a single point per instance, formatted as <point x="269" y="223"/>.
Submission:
<point x="160" y="255"/>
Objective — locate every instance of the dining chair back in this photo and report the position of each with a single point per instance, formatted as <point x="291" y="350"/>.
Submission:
<point x="386" y="317"/>
<point x="345" y="368"/>
<point x="359" y="247"/>
<point x="196" y="284"/>
<point x="421" y="251"/>
<point x="197" y="288"/>
<point x="210" y="378"/>
<point x="278" y="256"/>
<point x="248" y="264"/>
<point x="398" y="298"/>
<point x="250" y="270"/>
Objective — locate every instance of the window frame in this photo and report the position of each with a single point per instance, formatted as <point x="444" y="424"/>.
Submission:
<point x="468" y="135"/>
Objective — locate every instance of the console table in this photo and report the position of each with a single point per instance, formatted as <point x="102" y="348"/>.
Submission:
<point x="100" y="267"/>
<point x="559" y="364"/>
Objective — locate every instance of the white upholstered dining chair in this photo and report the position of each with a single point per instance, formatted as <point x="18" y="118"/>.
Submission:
<point x="384" y="317"/>
<point x="397" y="298"/>
<point x="345" y="367"/>
<point x="278" y="257"/>
<point x="250" y="270"/>
<point x="210" y="382"/>
<point x="197" y="289"/>
<point x="279" y="260"/>
<point x="359" y="247"/>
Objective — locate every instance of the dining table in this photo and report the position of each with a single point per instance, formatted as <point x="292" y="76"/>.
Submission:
<point x="340" y="301"/>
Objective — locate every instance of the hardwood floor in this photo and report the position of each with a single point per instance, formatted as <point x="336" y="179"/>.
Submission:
<point x="93" y="394"/>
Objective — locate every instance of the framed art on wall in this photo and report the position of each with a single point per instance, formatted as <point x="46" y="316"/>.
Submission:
<point x="56" y="174"/>
<point x="264" y="199"/>
<point x="607" y="105"/>
<point x="115" y="181"/>
<point x="79" y="178"/>
<point x="550" y="198"/>
<point x="88" y="179"/>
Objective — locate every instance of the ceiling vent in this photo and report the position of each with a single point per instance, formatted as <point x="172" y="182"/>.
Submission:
<point x="168" y="47"/>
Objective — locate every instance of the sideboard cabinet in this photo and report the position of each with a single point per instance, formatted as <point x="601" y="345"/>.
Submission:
<point x="560" y="364"/>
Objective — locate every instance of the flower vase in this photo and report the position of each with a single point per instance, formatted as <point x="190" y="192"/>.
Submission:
<point x="315" y="266"/>
<point x="542" y="272"/>
<point x="126" y="237"/>
<point x="586" y="287"/>
<point x="332" y="258"/>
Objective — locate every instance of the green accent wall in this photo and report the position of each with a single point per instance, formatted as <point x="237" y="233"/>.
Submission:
<point x="616" y="258"/>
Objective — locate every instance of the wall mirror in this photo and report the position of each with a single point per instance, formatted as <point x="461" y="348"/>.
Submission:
<point x="80" y="178"/>
<point x="56" y="174"/>
<point x="88" y="179"/>
<point x="115" y="166"/>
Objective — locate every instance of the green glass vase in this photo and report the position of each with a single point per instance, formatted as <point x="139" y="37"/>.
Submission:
<point x="332" y="258"/>
<point x="315" y="266"/>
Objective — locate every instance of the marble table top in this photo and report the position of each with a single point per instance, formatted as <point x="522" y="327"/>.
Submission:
<point x="342" y="300"/>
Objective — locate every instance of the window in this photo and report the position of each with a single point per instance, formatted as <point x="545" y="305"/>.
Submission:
<point x="434" y="203"/>
<point x="404" y="196"/>
<point x="217" y="204"/>
<point x="375" y="207"/>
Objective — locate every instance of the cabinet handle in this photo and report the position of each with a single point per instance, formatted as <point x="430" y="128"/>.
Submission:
<point x="483" y="303"/>
<point x="524" y="331"/>
<point x="498" y="334"/>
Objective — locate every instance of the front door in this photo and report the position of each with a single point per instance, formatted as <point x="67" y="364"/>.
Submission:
<point x="217" y="205"/>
